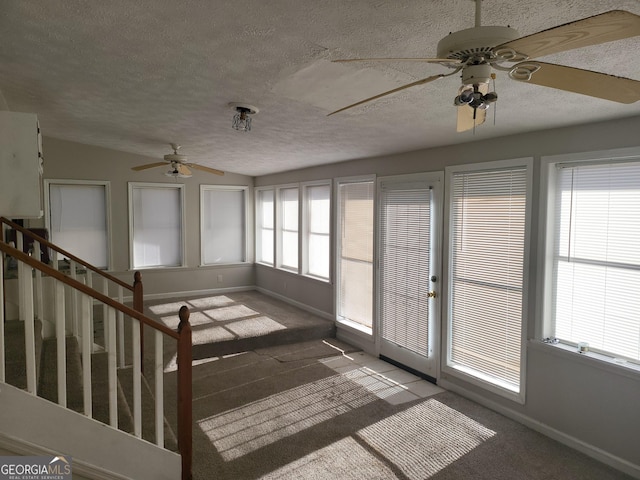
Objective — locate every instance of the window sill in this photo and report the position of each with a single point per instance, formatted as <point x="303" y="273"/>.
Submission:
<point x="598" y="360"/>
<point x="356" y="327"/>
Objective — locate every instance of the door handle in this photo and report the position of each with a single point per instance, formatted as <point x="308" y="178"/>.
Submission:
<point x="432" y="294"/>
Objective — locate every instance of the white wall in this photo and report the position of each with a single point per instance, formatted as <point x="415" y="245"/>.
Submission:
<point x="69" y="160"/>
<point x="575" y="401"/>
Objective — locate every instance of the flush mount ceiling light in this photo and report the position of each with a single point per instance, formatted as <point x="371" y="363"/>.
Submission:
<point x="242" y="118"/>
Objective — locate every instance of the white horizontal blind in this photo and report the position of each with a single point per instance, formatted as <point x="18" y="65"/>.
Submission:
<point x="223" y="225"/>
<point x="157" y="226"/>
<point x="319" y="224"/>
<point x="405" y="237"/>
<point x="265" y="226"/>
<point x="597" y="257"/>
<point x="288" y="199"/>
<point x="487" y="254"/>
<point x="78" y="221"/>
<point x="355" y="260"/>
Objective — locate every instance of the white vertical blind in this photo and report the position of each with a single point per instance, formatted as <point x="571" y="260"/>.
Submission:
<point x="404" y="265"/>
<point x="223" y="225"/>
<point x="265" y="226"/>
<point x="355" y="259"/>
<point x="78" y="221"/>
<point x="318" y="234"/>
<point x="486" y="288"/>
<point x="288" y="199"/>
<point x="596" y="257"/>
<point x="157" y="226"/>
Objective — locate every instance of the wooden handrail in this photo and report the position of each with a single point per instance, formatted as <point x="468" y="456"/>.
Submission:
<point x="46" y="269"/>
<point x="47" y="243"/>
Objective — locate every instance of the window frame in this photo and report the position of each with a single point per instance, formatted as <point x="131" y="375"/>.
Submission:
<point x="544" y="330"/>
<point x="279" y="228"/>
<point x="107" y="190"/>
<point x="258" y="228"/>
<point x="343" y="322"/>
<point x="305" y="229"/>
<point x="150" y="185"/>
<point x="527" y="163"/>
<point x="245" y="230"/>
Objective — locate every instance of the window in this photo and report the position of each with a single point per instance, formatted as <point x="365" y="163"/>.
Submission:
<point x="594" y="219"/>
<point x="486" y="302"/>
<point x="355" y="252"/>
<point x="78" y="220"/>
<point x="264" y="226"/>
<point x="156" y="224"/>
<point x="317" y="221"/>
<point x="222" y="224"/>
<point x="288" y="228"/>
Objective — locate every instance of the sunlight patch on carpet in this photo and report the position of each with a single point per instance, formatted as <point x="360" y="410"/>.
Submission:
<point x="230" y="313"/>
<point x="241" y="431"/>
<point x="211" y="302"/>
<point x="211" y="334"/>
<point x="166" y="308"/>
<point x="424" y="439"/>
<point x="195" y="318"/>
<point x="343" y="459"/>
<point x="254" y="327"/>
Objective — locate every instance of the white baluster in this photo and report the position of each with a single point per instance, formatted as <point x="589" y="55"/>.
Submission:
<point x="75" y="299"/>
<point x="29" y="328"/>
<point x="61" y="343"/>
<point x="105" y="309"/>
<point x="110" y="344"/>
<point x="120" y="317"/>
<point x="87" y="346"/>
<point x="2" y="340"/>
<point x="37" y="253"/>
<point x="159" y="383"/>
<point x="21" y="303"/>
<point x="137" y="379"/>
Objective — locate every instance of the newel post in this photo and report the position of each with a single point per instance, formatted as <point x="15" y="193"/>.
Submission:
<point x="138" y="306"/>
<point x="185" y="416"/>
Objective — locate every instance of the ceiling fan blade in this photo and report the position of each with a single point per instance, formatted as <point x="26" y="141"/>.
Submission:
<point x="149" y="165"/>
<point x="585" y="82"/>
<point x="427" y="60"/>
<point x="413" y="84"/>
<point x="602" y="28"/>
<point x="465" y="118"/>
<point x="183" y="169"/>
<point x="206" y="169"/>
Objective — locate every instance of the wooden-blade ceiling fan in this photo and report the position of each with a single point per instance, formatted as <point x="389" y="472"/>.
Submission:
<point x="475" y="52"/>
<point x="179" y="165"/>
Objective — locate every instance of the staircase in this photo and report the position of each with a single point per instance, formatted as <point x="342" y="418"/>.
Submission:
<point x="72" y="363"/>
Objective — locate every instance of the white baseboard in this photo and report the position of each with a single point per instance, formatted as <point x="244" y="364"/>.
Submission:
<point x="192" y="293"/>
<point x="588" y="449"/>
<point x="302" y="306"/>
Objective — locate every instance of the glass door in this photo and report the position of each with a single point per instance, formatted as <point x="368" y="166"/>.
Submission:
<point x="408" y="273"/>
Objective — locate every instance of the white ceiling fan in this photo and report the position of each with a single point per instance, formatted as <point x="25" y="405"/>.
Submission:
<point x="476" y="52"/>
<point x="179" y="167"/>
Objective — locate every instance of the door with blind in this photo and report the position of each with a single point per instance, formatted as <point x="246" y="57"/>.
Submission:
<point x="408" y="274"/>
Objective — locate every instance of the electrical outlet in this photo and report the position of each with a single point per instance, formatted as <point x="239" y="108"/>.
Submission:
<point x="285" y="285"/>
<point x="219" y="278"/>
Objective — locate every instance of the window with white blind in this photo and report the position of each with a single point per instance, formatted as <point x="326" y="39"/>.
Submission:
<point x="288" y="228"/>
<point x="265" y="225"/>
<point x="156" y="225"/>
<point x="78" y="220"/>
<point x="223" y="224"/>
<point x="487" y="233"/>
<point x="355" y="251"/>
<point x="317" y="221"/>
<point x="594" y="217"/>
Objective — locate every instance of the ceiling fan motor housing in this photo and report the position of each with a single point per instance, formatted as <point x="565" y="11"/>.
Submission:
<point x="474" y="42"/>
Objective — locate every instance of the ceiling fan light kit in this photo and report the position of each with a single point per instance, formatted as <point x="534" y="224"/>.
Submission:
<point x="475" y="52"/>
<point x="179" y="165"/>
<point x="242" y="117"/>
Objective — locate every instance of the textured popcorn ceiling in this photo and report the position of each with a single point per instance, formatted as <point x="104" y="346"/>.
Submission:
<point x="136" y="75"/>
